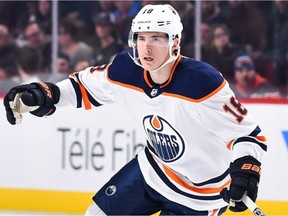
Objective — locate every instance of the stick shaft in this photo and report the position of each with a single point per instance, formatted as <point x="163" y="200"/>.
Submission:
<point x="252" y="206"/>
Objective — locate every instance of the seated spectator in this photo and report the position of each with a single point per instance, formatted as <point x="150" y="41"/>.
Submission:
<point x="81" y="65"/>
<point x="14" y="15"/>
<point x="37" y="39"/>
<point x="29" y="65"/>
<point x="222" y="52"/>
<point x="63" y="64"/>
<point x="124" y="13"/>
<point x="248" y="83"/>
<point x="186" y="12"/>
<point x="277" y="33"/>
<point x="3" y="73"/>
<point x="8" y="47"/>
<point x="71" y="43"/>
<point x="43" y="15"/>
<point x="205" y="34"/>
<point x="247" y="24"/>
<point x="109" y="45"/>
<point x="211" y="12"/>
<point x="8" y="68"/>
<point x="8" y="74"/>
<point x="107" y="6"/>
<point x="8" y="54"/>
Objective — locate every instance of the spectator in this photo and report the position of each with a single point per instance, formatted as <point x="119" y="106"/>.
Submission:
<point x="205" y="33"/>
<point x="63" y="64"/>
<point x="71" y="43"/>
<point x="8" y="47"/>
<point x="8" y="53"/>
<point x="186" y="11"/>
<point x="8" y="68"/>
<point x="43" y="15"/>
<point x="211" y="12"/>
<point x="8" y="74"/>
<point x="277" y="28"/>
<point x="109" y="45"/>
<point x="124" y="13"/>
<point x="63" y="69"/>
<point x="14" y="14"/>
<point x="81" y="65"/>
<point x="29" y="65"/>
<point x="3" y="73"/>
<point x="249" y="84"/>
<point x="82" y="10"/>
<point x="246" y="24"/>
<point x="145" y="2"/>
<point x="36" y="38"/>
<point x="100" y="6"/>
<point x="107" y="6"/>
<point x="277" y="34"/>
<point x="222" y="52"/>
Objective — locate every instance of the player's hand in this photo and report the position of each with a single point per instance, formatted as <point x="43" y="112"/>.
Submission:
<point x="245" y="175"/>
<point x="37" y="98"/>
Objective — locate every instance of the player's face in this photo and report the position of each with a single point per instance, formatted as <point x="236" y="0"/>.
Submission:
<point x="153" y="49"/>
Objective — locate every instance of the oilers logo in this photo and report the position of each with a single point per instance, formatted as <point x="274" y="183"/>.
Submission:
<point x="163" y="139"/>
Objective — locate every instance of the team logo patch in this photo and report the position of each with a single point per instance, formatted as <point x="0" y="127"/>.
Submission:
<point x="164" y="140"/>
<point x="154" y="92"/>
<point x="111" y="190"/>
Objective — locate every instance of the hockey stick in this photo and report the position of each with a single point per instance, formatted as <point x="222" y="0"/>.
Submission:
<point x="252" y="206"/>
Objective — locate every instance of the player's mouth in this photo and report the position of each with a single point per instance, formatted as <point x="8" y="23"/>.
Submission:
<point x="148" y="58"/>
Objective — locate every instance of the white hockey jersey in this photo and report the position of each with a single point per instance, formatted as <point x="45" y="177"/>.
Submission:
<point x="194" y="125"/>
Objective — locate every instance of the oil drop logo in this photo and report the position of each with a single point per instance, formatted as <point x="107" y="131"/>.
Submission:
<point x="164" y="140"/>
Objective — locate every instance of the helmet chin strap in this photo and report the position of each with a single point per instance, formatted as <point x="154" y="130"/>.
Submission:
<point x="171" y="58"/>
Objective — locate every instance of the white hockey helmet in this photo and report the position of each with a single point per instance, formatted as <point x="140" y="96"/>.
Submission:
<point x="156" y="18"/>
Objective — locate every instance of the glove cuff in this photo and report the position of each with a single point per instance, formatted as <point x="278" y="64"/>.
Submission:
<point x="246" y="164"/>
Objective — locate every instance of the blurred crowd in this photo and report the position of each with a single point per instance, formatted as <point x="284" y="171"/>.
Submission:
<point x="245" y="40"/>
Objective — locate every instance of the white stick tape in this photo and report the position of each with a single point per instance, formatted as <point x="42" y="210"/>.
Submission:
<point x="252" y="206"/>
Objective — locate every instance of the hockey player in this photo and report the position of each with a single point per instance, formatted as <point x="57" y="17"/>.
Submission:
<point x="203" y="147"/>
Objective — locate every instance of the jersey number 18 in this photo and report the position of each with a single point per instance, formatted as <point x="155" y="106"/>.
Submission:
<point x="236" y="109"/>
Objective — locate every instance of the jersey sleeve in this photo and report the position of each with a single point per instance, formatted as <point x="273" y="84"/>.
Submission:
<point x="225" y="116"/>
<point x="86" y="89"/>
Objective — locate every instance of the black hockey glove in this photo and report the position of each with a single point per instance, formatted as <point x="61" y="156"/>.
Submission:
<point x="245" y="176"/>
<point x="37" y="98"/>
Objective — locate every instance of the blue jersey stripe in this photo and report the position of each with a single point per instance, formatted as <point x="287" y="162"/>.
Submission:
<point x="78" y="92"/>
<point x="250" y="140"/>
<point x="171" y="185"/>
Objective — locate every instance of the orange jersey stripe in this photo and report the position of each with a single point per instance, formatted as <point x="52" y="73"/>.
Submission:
<point x="214" y="212"/>
<point x="84" y="93"/>
<point x="170" y="77"/>
<point x="85" y="98"/>
<point x="172" y="72"/>
<point x="196" y="100"/>
<point x="122" y="84"/>
<point x="125" y="85"/>
<point x="72" y="75"/>
<point x="261" y="138"/>
<point x="146" y="79"/>
<point x="171" y="94"/>
<point x="177" y="179"/>
<point x="229" y="145"/>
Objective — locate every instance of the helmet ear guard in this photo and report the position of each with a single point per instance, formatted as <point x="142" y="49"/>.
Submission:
<point x="157" y="18"/>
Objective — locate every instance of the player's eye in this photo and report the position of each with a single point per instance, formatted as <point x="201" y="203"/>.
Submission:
<point x="140" y="39"/>
<point x="155" y="39"/>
